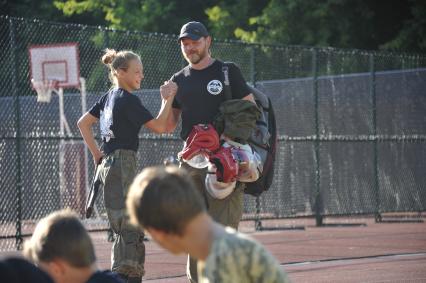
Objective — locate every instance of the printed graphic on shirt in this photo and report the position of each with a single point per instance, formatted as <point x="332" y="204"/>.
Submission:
<point x="106" y="122"/>
<point x="214" y="87"/>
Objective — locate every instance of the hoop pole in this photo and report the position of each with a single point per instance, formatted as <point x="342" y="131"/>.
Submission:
<point x="62" y="119"/>
<point x="60" y="93"/>
<point x="86" y="154"/>
<point x="83" y="95"/>
<point x="67" y="127"/>
<point x="61" y="112"/>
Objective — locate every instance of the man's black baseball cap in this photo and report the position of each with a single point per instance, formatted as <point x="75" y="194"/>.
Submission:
<point x="193" y="30"/>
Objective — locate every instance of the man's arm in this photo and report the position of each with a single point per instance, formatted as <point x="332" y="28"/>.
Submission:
<point x="164" y="120"/>
<point x="239" y="87"/>
<point x="173" y="120"/>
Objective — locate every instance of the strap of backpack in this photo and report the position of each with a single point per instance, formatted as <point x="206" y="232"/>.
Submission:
<point x="227" y="86"/>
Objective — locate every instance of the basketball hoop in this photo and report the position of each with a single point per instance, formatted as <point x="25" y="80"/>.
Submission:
<point x="44" y="89"/>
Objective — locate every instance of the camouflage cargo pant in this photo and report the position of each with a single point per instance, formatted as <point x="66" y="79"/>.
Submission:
<point x="128" y="251"/>
<point x="227" y="212"/>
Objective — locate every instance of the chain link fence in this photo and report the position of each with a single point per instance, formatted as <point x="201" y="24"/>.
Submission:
<point x="352" y="126"/>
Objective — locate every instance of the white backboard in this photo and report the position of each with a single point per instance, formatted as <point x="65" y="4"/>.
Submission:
<point x="59" y="62"/>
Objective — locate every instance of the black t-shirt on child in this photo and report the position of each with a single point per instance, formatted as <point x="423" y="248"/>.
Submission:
<point x="105" y="277"/>
<point x="121" y="116"/>
<point x="200" y="93"/>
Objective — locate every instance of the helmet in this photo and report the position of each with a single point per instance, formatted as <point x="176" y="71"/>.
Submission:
<point x="249" y="162"/>
<point x="215" y="188"/>
<point x="202" y="141"/>
<point x="226" y="166"/>
<point x="199" y="161"/>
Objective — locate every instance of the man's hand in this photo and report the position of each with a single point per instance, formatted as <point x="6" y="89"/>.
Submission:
<point x="250" y="97"/>
<point x="168" y="90"/>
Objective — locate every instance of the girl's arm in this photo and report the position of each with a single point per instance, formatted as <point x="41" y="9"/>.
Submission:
<point x="85" y="124"/>
<point x="161" y="124"/>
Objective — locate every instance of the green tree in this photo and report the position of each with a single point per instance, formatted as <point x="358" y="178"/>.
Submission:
<point x="162" y="16"/>
<point x="45" y="10"/>
<point x="226" y="16"/>
<point x="412" y="35"/>
<point x="364" y="24"/>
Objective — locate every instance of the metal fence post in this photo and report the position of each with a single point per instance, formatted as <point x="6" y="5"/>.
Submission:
<point x="377" y="215"/>
<point x="105" y="46"/>
<point x="257" y="221"/>
<point x="253" y="65"/>
<point x="14" y="64"/>
<point x="318" y="199"/>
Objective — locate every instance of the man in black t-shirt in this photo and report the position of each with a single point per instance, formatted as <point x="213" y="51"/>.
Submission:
<point x="199" y="95"/>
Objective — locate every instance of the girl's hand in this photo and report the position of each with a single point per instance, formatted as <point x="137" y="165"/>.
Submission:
<point x="97" y="158"/>
<point x="168" y="90"/>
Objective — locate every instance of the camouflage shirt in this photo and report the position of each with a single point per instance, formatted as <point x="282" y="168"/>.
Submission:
<point x="235" y="257"/>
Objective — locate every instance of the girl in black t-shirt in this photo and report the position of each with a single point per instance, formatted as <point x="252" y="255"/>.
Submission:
<point x="121" y="115"/>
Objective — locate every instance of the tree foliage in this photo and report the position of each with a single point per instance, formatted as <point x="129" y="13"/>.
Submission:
<point x="227" y="16"/>
<point x="363" y="24"/>
<point x="46" y="10"/>
<point x="162" y="16"/>
<point x="412" y="35"/>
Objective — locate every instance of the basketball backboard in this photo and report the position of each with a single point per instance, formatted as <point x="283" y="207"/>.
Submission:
<point x="58" y="62"/>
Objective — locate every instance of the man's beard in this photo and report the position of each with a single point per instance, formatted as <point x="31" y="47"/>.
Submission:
<point x="195" y="57"/>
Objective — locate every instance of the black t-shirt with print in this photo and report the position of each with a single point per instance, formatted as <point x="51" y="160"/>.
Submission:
<point x="200" y="93"/>
<point x="121" y="116"/>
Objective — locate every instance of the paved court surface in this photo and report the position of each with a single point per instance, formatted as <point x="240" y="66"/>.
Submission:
<point x="341" y="252"/>
<point x="347" y="250"/>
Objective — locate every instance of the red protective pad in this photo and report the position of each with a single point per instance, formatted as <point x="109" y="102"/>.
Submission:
<point x="227" y="167"/>
<point x="203" y="139"/>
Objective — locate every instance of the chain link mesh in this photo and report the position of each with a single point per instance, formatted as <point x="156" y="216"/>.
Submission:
<point x="351" y="124"/>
